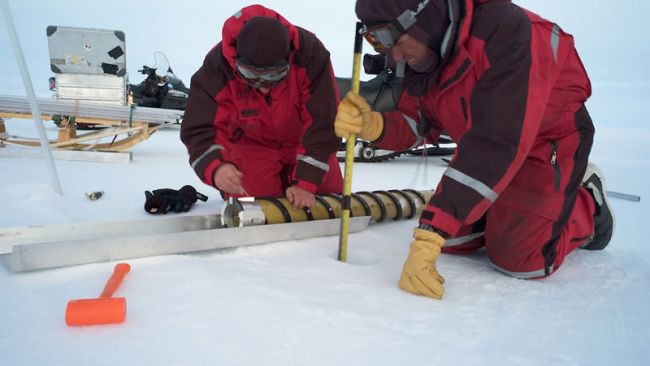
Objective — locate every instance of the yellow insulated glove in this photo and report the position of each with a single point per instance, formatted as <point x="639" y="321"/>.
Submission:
<point x="419" y="274"/>
<point x="355" y="116"/>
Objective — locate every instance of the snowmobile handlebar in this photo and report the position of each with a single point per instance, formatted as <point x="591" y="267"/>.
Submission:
<point x="146" y="70"/>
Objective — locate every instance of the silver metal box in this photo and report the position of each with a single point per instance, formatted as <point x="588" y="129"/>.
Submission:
<point x="90" y="64"/>
<point x="86" y="50"/>
<point x="108" y="89"/>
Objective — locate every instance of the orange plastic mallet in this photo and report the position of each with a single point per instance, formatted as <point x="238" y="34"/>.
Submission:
<point x="103" y="310"/>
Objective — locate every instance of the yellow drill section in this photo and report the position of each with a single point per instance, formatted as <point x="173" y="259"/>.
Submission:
<point x="380" y="205"/>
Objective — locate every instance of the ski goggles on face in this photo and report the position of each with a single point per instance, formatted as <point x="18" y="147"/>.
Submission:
<point x="381" y="37"/>
<point x="262" y="77"/>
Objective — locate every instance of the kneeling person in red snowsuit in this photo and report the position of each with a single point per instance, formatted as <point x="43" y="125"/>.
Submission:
<point x="259" y="119"/>
<point x="509" y="88"/>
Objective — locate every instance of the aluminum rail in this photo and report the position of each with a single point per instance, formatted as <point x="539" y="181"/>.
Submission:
<point x="17" y="104"/>
<point x="69" y="155"/>
<point x="190" y="234"/>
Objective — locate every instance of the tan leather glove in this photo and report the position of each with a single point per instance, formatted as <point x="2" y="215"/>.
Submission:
<point x="355" y="116"/>
<point x="419" y="275"/>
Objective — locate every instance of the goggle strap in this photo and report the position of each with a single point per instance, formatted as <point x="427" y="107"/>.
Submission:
<point x="400" y="69"/>
<point x="407" y="18"/>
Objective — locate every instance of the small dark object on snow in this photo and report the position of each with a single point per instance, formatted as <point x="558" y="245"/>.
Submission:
<point x="94" y="196"/>
<point x="161" y="201"/>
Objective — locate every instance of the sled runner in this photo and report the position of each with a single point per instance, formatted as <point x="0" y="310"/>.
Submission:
<point x="125" y="126"/>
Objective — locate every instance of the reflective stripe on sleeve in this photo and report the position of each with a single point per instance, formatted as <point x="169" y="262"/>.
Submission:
<point x="210" y="150"/>
<point x="413" y="125"/>
<point x="470" y="182"/>
<point x="555" y="40"/>
<point x="462" y="239"/>
<point x="311" y="161"/>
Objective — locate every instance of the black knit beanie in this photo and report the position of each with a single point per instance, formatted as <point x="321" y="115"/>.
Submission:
<point x="432" y="21"/>
<point x="263" y="42"/>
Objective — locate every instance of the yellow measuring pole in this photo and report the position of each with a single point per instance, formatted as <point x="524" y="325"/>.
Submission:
<point x="349" y="151"/>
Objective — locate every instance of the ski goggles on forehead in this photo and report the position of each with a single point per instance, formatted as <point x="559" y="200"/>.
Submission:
<point x="265" y="75"/>
<point x="381" y="37"/>
<point x="384" y="36"/>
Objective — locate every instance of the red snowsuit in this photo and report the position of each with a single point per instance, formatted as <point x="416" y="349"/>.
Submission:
<point x="512" y="96"/>
<point x="276" y="140"/>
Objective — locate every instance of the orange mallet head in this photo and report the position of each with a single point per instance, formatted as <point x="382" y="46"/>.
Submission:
<point x="103" y="310"/>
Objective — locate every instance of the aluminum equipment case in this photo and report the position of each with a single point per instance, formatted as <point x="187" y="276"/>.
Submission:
<point x="90" y="64"/>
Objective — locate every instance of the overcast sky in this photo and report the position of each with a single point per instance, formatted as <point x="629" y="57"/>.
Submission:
<point x="612" y="37"/>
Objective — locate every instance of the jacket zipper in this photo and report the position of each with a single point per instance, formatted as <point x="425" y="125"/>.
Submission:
<point x="556" y="166"/>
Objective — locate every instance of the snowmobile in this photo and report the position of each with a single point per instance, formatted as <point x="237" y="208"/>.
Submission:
<point x="382" y="92"/>
<point x="159" y="91"/>
<point x="156" y="91"/>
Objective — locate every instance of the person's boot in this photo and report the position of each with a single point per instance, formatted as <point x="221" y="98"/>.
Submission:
<point x="594" y="182"/>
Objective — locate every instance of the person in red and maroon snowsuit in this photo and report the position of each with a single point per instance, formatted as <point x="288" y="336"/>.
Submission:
<point x="509" y="88"/>
<point x="259" y="119"/>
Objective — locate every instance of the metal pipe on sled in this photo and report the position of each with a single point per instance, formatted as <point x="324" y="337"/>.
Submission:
<point x="243" y="222"/>
<point x="17" y="104"/>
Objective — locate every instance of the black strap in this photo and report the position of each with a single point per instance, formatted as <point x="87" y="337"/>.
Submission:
<point x="409" y="199"/>
<point x="280" y="206"/>
<point x="395" y="200"/>
<point x="363" y="202"/>
<point x="338" y="198"/>
<point x="328" y="207"/>
<point x="380" y="203"/>
<point x="310" y="216"/>
<point x="418" y="194"/>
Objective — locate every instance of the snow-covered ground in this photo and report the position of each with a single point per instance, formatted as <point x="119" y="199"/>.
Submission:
<point x="293" y="303"/>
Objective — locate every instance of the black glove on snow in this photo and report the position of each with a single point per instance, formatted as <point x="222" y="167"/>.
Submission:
<point x="163" y="200"/>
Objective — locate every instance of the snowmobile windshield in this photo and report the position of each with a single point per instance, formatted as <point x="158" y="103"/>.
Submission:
<point x="262" y="76"/>
<point x="161" y="62"/>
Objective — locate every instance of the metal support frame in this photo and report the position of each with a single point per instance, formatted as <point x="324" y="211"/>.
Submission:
<point x="29" y="89"/>
<point x="85" y="109"/>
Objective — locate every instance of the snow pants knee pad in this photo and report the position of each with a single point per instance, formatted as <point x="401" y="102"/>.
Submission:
<point x="532" y="244"/>
<point x="516" y="241"/>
